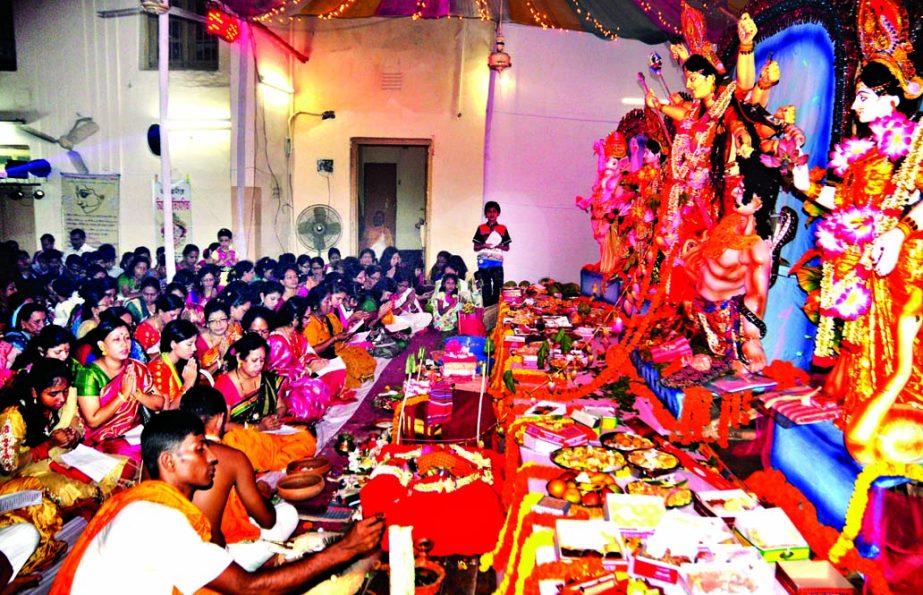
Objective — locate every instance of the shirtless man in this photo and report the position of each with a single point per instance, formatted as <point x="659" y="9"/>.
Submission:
<point x="152" y="539"/>
<point x="234" y="472"/>
<point x="731" y="269"/>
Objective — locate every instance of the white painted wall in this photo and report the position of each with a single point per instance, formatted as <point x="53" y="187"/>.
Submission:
<point x="564" y="91"/>
<point x="70" y="61"/>
<point x="442" y="97"/>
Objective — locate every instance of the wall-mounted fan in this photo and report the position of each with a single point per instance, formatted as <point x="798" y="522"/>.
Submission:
<point x="318" y="228"/>
<point x="82" y="129"/>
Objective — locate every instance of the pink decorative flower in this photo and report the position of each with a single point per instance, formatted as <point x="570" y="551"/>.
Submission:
<point x="856" y="225"/>
<point x="893" y="134"/>
<point x="786" y="156"/>
<point x="828" y="239"/>
<point x="847" y="152"/>
<point x="853" y="302"/>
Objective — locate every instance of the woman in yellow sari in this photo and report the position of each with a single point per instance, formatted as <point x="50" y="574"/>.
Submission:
<point x="325" y="332"/>
<point x="216" y="338"/>
<point x="32" y="435"/>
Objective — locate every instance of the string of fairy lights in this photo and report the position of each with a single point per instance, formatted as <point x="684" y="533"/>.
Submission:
<point x="285" y="12"/>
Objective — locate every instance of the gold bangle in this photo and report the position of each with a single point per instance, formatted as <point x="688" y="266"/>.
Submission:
<point x="905" y="229"/>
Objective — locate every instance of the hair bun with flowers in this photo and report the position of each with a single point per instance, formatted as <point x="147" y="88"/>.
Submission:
<point x="884" y="38"/>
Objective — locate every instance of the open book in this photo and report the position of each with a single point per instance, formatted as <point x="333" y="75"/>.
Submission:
<point x="333" y="365"/>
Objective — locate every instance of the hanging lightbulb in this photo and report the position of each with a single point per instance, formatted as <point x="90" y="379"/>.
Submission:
<point x="498" y="59"/>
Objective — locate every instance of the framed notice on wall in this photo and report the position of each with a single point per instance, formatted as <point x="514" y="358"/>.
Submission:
<point x="91" y="202"/>
<point x="182" y="213"/>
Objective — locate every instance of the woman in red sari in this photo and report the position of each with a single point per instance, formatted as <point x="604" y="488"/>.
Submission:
<point x="169" y="308"/>
<point x="176" y="370"/>
<point x="112" y="389"/>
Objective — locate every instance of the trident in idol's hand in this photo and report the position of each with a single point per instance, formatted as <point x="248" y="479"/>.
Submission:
<point x="655" y="65"/>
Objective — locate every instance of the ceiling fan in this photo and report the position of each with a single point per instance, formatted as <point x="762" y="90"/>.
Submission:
<point x="84" y="127"/>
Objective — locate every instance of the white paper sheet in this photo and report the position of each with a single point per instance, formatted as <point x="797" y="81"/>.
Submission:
<point x="90" y="461"/>
<point x="284" y="430"/>
<point x="133" y="436"/>
<point x="333" y="365"/>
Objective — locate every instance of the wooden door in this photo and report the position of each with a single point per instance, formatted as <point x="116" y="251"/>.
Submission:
<point x="379" y="195"/>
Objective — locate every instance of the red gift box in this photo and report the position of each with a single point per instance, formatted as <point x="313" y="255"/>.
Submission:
<point x="472" y="324"/>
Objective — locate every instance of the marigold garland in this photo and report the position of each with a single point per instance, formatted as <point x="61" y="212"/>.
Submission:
<point x="773" y="487"/>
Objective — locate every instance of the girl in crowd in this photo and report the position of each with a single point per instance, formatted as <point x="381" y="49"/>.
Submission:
<point x="190" y="259"/>
<point x="244" y="271"/>
<point x="455" y="266"/>
<point x="53" y="342"/>
<point x="129" y="282"/>
<point x="390" y="262"/>
<point x="95" y="302"/>
<point x="178" y="287"/>
<point x="367" y="257"/>
<point x="144" y="306"/>
<point x="270" y="293"/>
<point x="407" y="306"/>
<point x="112" y="389"/>
<point x="446" y="304"/>
<point x="176" y="370"/>
<point x="206" y="286"/>
<point x="216" y="338"/>
<point x="328" y="337"/>
<point x="292" y="357"/>
<point x="224" y="255"/>
<point x="169" y="307"/>
<point x="291" y="286"/>
<point x="333" y="259"/>
<point x="304" y="266"/>
<point x="34" y="427"/>
<point x="317" y="273"/>
<point x="252" y="395"/>
<point x="436" y="272"/>
<point x="237" y="299"/>
<point x="258" y="320"/>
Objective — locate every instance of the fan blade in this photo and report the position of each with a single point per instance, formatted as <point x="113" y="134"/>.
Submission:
<point x="82" y="129"/>
<point x="333" y="230"/>
<point x="37" y="133"/>
<point x="320" y="214"/>
<point x="319" y="243"/>
<point x="78" y="162"/>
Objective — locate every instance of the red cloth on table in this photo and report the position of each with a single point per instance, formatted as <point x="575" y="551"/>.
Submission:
<point x="465" y="522"/>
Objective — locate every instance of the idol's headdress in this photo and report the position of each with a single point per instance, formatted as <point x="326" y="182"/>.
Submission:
<point x="884" y="38"/>
<point x="694" y="35"/>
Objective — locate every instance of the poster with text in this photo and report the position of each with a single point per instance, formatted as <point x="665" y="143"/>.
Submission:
<point x="91" y="202"/>
<point x="182" y="213"/>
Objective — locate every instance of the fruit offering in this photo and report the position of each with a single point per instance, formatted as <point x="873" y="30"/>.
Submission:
<point x="625" y="441"/>
<point x="588" y="458"/>
<point x="653" y="462"/>
<point x="585" y="489"/>
<point x="675" y="495"/>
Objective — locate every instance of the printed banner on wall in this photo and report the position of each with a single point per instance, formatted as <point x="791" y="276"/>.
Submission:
<point x="182" y="213"/>
<point x="91" y="202"/>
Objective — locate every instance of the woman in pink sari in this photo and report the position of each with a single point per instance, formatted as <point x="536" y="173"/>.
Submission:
<point x="291" y="357"/>
<point x="112" y="389"/>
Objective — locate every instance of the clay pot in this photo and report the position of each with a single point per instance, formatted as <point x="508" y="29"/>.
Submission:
<point x="301" y="486"/>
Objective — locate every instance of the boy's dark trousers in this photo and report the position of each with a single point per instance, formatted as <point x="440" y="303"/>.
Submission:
<point x="491" y="283"/>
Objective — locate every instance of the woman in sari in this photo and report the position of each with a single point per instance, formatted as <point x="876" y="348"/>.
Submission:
<point x="258" y="320"/>
<point x="129" y="282"/>
<point x="254" y="407"/>
<point x="237" y="298"/>
<point x="270" y="293"/>
<point x="216" y="338"/>
<point x="33" y="431"/>
<point x="390" y="262"/>
<point x="288" y="275"/>
<point x="176" y="370"/>
<point x="206" y="286"/>
<point x="112" y="389"/>
<point x="292" y="357"/>
<point x="169" y="308"/>
<point x="325" y="333"/>
<point x="95" y="302"/>
<point x="145" y="305"/>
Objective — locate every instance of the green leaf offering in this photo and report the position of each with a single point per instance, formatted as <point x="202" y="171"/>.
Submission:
<point x="509" y="381"/>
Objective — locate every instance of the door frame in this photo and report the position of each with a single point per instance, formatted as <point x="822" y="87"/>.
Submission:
<point x="355" y="143"/>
